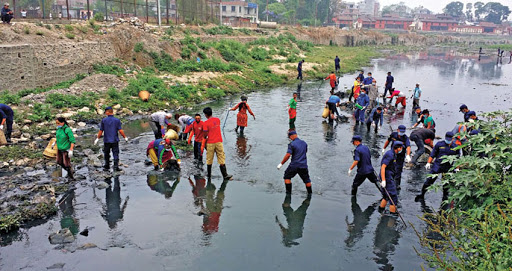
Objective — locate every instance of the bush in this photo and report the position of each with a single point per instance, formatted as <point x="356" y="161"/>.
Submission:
<point x="219" y="30"/>
<point x="259" y="54"/>
<point x="139" y="46"/>
<point x="192" y="47"/>
<point x="68" y="28"/>
<point x="113" y="93"/>
<point x="7" y="98"/>
<point x="150" y="83"/>
<point x="169" y="31"/>
<point x="70" y="36"/>
<point x="185" y="53"/>
<point x="108" y="69"/>
<point x="26" y="30"/>
<point x="214" y="93"/>
<point x="58" y="100"/>
<point x="41" y="112"/>
<point x="99" y="17"/>
<point x="57" y="26"/>
<point x="232" y="51"/>
<point x="245" y="31"/>
<point x="202" y="55"/>
<point x="49" y="27"/>
<point x="39" y="33"/>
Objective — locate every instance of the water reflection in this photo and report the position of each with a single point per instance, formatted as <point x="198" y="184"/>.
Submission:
<point x="242" y="150"/>
<point x="299" y="89"/>
<point x="198" y="189"/>
<point x="360" y="222"/>
<point x="386" y="239"/>
<point x="213" y="209"/>
<point x="68" y="218"/>
<point x="329" y="129"/>
<point x="114" y="208"/>
<point x="294" y="219"/>
<point x="159" y="183"/>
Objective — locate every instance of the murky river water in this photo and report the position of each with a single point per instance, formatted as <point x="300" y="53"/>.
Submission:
<point x="150" y="221"/>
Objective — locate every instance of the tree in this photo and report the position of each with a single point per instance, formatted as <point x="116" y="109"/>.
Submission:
<point x="400" y="9"/>
<point x="469" y="11"/>
<point x="494" y="12"/>
<point x="478" y="10"/>
<point x="276" y="11"/>
<point x="454" y="9"/>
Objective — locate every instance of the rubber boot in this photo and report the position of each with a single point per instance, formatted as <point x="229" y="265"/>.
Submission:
<point x="8" y="138"/>
<point x="156" y="167"/>
<point x="116" y="165"/>
<point x="421" y="196"/>
<point x="224" y="172"/>
<point x="354" y="191"/>
<point x="209" y="171"/>
<point x="309" y="189"/>
<point x="236" y="129"/>
<point x="382" y="205"/>
<point x="70" y="173"/>
<point x="288" y="188"/>
<point x="106" y="167"/>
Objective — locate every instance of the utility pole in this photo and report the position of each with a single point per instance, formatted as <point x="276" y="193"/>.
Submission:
<point x="159" y="13"/>
<point x="147" y="12"/>
<point x="266" y="10"/>
<point x="220" y="11"/>
<point x="88" y="11"/>
<point x="167" y="11"/>
<point x="106" y="11"/>
<point x="122" y="13"/>
<point x="43" y="7"/>
<point x="134" y="8"/>
<point x="316" y="5"/>
<point x="176" y="12"/>
<point x="67" y="9"/>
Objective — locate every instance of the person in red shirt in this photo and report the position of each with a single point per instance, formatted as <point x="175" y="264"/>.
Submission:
<point x="241" y="117"/>
<point x="213" y="142"/>
<point x="332" y="81"/>
<point x="196" y="128"/>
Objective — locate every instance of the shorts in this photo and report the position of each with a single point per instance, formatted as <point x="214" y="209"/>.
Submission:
<point x="215" y="149"/>
<point x="292" y="171"/>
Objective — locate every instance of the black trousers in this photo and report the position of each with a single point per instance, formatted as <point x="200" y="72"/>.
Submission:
<point x="156" y="129"/>
<point x="114" y="147"/>
<point x="8" y="124"/>
<point x="197" y="151"/>
<point x="360" y="178"/>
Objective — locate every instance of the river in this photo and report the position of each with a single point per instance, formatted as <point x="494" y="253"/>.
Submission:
<point x="158" y="221"/>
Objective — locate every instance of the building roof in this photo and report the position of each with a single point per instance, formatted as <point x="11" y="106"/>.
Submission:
<point x="394" y="19"/>
<point x="235" y="3"/>
<point x="487" y="24"/>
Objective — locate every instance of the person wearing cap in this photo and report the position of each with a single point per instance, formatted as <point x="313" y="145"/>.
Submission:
<point x="361" y="76"/>
<point x="389" y="83"/>
<point x="332" y="103"/>
<point x="213" y="142"/>
<point x="159" y="122"/>
<point x="376" y="116"/>
<point x="109" y="128"/>
<point x="362" y="158"/>
<point x="373" y="94"/>
<point x="160" y="151"/>
<point x="6" y="118"/>
<point x="438" y="155"/>
<point x="387" y="173"/>
<point x="292" y="110"/>
<point x="367" y="81"/>
<point x="472" y="116"/>
<point x="421" y="137"/>
<point x="416" y="95"/>
<point x="395" y="137"/>
<point x="297" y="150"/>
<point x="196" y="129"/>
<point x="464" y="109"/>
<point x="299" y="69"/>
<point x="6" y="14"/>
<point x="337" y="64"/>
<point x="332" y="81"/>
<point x="184" y="121"/>
<point x="241" y="117"/>
<point x="362" y="103"/>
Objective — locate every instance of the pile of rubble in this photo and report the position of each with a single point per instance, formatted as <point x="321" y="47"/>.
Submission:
<point x="132" y="21"/>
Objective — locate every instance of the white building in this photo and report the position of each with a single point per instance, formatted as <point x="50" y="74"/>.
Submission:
<point x="239" y="13"/>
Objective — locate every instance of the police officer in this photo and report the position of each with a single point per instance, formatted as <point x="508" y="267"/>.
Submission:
<point x="7" y="118"/>
<point x="464" y="109"/>
<point x="402" y="157"/>
<point x="297" y="150"/>
<point x="376" y="116"/>
<point x="110" y="126"/>
<point x="361" y="103"/>
<point x="362" y="159"/>
<point x="441" y="149"/>
<point x="420" y="137"/>
<point x="299" y="69"/>
<point x="387" y="173"/>
<point x="389" y="83"/>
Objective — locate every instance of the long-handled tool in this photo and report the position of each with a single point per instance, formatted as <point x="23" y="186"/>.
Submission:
<point x="392" y="202"/>
<point x="227" y="115"/>
<point x="321" y="83"/>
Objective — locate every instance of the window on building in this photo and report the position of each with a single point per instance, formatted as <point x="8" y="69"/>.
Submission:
<point x="233" y="9"/>
<point x="224" y="8"/>
<point x="240" y="9"/>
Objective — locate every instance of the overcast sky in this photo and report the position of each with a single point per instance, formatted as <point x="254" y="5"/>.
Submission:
<point x="436" y="5"/>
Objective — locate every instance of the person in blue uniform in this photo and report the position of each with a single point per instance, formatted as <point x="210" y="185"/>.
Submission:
<point x="464" y="109"/>
<point x="367" y="81"/>
<point x="7" y="118"/>
<point x="299" y="69"/>
<point x="361" y="76"/>
<point x="405" y="156"/>
<point x="109" y="128"/>
<point x="337" y="64"/>
<point x="389" y="83"/>
<point x="376" y="116"/>
<point x="362" y="158"/>
<point x="441" y="149"/>
<point x="332" y="103"/>
<point x="387" y="173"/>
<point x="361" y="103"/>
<point x="297" y="150"/>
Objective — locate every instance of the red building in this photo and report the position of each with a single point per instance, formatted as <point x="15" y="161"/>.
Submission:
<point x="393" y="23"/>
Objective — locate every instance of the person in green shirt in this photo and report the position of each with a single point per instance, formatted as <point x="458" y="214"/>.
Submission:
<point x="428" y="121"/>
<point x="65" y="144"/>
<point x="292" y="111"/>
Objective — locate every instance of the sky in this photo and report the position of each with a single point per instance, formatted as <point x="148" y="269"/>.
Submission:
<point x="437" y="5"/>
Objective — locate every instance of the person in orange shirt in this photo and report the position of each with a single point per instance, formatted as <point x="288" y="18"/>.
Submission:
<point x="241" y="117"/>
<point x="333" y="81"/>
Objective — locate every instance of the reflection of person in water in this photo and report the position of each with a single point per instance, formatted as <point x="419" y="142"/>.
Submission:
<point x="299" y="89"/>
<point x="361" y="220"/>
<point x="214" y="205"/>
<point x="162" y="186"/>
<point x="242" y="149"/>
<point x="386" y="238"/>
<point x="68" y="219"/>
<point x="295" y="220"/>
<point x="113" y="212"/>
<point x="198" y="189"/>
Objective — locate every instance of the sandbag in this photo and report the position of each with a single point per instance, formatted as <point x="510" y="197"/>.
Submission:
<point x="3" y="140"/>
<point x="325" y="113"/>
<point x="144" y="95"/>
<point x="171" y="134"/>
<point x="49" y="151"/>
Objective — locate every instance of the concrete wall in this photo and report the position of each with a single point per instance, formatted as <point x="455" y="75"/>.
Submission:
<point x="42" y="65"/>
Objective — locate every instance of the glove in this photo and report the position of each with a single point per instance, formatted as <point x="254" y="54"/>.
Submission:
<point x="408" y="159"/>
<point x="162" y="131"/>
<point x="428" y="166"/>
<point x="279" y="166"/>
<point x="412" y="127"/>
<point x="419" y="119"/>
<point x="349" y="172"/>
<point x="70" y="154"/>
<point x="161" y="169"/>
<point x="457" y="170"/>
<point x="1" y="127"/>
<point x="126" y="139"/>
<point x="383" y="151"/>
<point x="373" y="124"/>
<point x="383" y="184"/>
<point x="96" y="141"/>
<point x="53" y="145"/>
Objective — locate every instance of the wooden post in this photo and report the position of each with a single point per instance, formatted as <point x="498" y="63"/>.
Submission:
<point x="147" y="12"/>
<point x="135" y="8"/>
<point x="167" y="11"/>
<point x="176" y="12"/>
<point x="122" y="13"/>
<point x="88" y="11"/>
<point x="67" y="9"/>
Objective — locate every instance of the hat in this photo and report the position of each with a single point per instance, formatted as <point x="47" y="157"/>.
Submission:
<point x="417" y="107"/>
<point x="402" y="128"/>
<point x="6" y="4"/>
<point x="425" y="111"/>
<point x="474" y="132"/>
<point x="357" y="138"/>
<point x="108" y="108"/>
<point x="292" y="132"/>
<point x="448" y="136"/>
<point x="379" y="108"/>
<point x="398" y="144"/>
<point x="471" y="113"/>
<point x="463" y="106"/>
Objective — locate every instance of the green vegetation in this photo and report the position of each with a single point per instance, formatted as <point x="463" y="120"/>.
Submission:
<point x="17" y="152"/>
<point x="68" y="28"/>
<point x="99" y="17"/>
<point x="476" y="234"/>
<point x="9" y="223"/>
<point x="139" y="47"/>
<point x="70" y="36"/>
<point x="57" y="100"/>
<point x="26" y="30"/>
<point x="109" y="69"/>
<point x="219" y="30"/>
<point x="39" y="33"/>
<point x="506" y="47"/>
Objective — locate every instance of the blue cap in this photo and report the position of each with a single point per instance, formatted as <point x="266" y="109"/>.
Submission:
<point x="474" y="132"/>
<point x="417" y="107"/>
<point x="357" y="138"/>
<point x="471" y="113"/>
<point x="292" y="132"/>
<point x="463" y="106"/>
<point x="397" y="144"/>
<point x="448" y="136"/>
<point x="402" y="128"/>
<point x="108" y="108"/>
